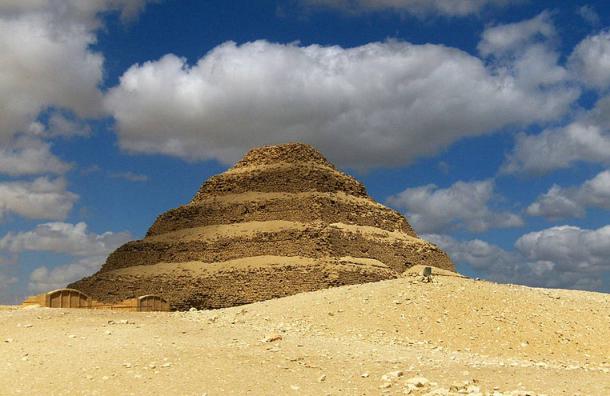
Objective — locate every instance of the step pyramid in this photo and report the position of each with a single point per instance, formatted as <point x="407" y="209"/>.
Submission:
<point x="282" y="221"/>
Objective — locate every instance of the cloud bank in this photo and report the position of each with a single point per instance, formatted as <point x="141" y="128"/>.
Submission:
<point x="450" y="8"/>
<point x="381" y="104"/>
<point x="462" y="205"/>
<point x="43" y="198"/>
<point x="88" y="249"/>
<point x="590" y="60"/>
<point x="556" y="257"/>
<point x="30" y="156"/>
<point x="584" y="139"/>
<point x="58" y="237"/>
<point x="559" y="202"/>
<point x="47" y="63"/>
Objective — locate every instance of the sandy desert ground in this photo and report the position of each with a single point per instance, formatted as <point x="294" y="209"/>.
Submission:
<point x="403" y="336"/>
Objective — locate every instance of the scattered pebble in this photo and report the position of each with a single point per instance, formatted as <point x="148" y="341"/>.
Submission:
<point x="123" y="321"/>
<point x="419" y="382"/>
<point x="272" y="338"/>
<point x="392" y="375"/>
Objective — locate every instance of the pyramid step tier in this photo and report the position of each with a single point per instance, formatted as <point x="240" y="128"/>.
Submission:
<point x="297" y="177"/>
<point x="221" y="243"/>
<point x="234" y="282"/>
<point x="298" y="207"/>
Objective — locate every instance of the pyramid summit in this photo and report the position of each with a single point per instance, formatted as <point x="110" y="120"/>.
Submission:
<point x="281" y="221"/>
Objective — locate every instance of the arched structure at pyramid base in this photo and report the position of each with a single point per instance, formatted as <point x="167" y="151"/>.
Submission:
<point x="68" y="298"/>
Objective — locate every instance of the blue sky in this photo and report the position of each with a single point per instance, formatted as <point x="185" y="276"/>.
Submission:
<point x="484" y="121"/>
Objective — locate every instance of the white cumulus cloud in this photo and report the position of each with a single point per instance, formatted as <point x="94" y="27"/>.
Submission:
<point x="88" y="249"/>
<point x="42" y="198"/>
<point x="560" y="202"/>
<point x="60" y="237"/>
<point x="417" y="7"/>
<point x="46" y="58"/>
<point x="431" y="209"/>
<point x="479" y="254"/>
<point x="44" y="279"/>
<point x="590" y="60"/>
<point x="375" y="105"/>
<point x="569" y="248"/>
<point x="556" y="204"/>
<point x="44" y="65"/>
<point x="30" y="156"/>
<point x="586" y="139"/>
<point x="513" y="37"/>
<point x="60" y="125"/>
<point x="559" y="148"/>
<point x="527" y="50"/>
<point x="557" y="257"/>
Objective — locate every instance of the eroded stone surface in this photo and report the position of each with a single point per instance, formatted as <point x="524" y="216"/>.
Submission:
<point x="283" y="220"/>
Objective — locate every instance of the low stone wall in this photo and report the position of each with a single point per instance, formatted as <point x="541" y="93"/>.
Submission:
<point x="136" y="304"/>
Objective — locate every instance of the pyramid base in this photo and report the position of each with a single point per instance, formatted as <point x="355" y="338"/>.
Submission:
<point x="231" y="283"/>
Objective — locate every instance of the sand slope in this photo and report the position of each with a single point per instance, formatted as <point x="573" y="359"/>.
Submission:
<point x="355" y="340"/>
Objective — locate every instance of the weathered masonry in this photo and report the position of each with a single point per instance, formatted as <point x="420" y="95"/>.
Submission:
<point x="71" y="298"/>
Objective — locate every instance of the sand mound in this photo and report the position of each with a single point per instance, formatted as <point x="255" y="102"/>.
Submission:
<point x="280" y="222"/>
<point x="453" y="336"/>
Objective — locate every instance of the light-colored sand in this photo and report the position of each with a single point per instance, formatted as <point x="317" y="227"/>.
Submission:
<point x="340" y="341"/>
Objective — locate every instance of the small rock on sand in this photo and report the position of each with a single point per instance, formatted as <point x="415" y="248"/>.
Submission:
<point x="392" y="375"/>
<point x="418" y="382"/>
<point x="272" y="338"/>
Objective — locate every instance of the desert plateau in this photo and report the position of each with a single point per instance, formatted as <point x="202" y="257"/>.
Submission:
<point x="451" y="336"/>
